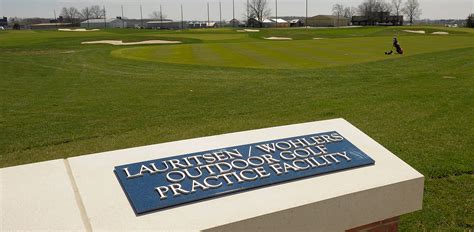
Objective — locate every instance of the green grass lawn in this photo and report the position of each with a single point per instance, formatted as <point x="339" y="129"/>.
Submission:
<point x="61" y="99"/>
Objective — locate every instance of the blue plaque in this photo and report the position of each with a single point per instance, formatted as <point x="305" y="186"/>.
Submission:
<point x="161" y="183"/>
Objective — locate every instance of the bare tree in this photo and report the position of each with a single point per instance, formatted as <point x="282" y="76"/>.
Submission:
<point x="259" y="9"/>
<point x="70" y="14"/>
<point x="397" y="4"/>
<point x="383" y="6"/>
<point x="96" y="12"/>
<point x="86" y="14"/>
<point x="157" y="15"/>
<point x="368" y="7"/>
<point x="338" y="10"/>
<point x="349" y="12"/>
<point x="412" y="10"/>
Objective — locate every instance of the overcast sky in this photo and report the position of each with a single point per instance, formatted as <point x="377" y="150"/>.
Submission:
<point x="197" y="10"/>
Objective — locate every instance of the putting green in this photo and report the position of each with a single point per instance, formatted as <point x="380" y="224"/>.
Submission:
<point x="292" y="54"/>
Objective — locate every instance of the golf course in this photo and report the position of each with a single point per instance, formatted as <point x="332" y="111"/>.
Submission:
<point x="62" y="98"/>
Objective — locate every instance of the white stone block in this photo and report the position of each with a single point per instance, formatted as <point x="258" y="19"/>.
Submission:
<point x="39" y="196"/>
<point x="330" y="202"/>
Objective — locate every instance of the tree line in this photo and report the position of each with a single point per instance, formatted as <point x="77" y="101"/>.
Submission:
<point x="260" y="9"/>
<point x="410" y="8"/>
<point x="73" y="15"/>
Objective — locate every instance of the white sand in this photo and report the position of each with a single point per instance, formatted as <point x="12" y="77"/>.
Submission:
<point x="417" y="32"/>
<point x="440" y="33"/>
<point x="119" y="42"/>
<point x="251" y="30"/>
<point x="278" y="38"/>
<point x="78" y="30"/>
<point x="448" y="77"/>
<point x="318" y="38"/>
<point x="241" y="31"/>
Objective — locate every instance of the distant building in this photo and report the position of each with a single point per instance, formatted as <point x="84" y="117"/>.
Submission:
<point x="328" y="21"/>
<point x="167" y="25"/>
<point x="136" y="23"/>
<point x="104" y="23"/>
<point x="253" y="22"/>
<point x="296" y="23"/>
<point x="199" y="24"/>
<point x="378" y="18"/>
<point x="4" y="22"/>
<point x="234" y="22"/>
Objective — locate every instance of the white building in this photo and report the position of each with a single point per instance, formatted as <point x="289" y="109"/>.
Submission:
<point x="275" y="22"/>
<point x="101" y="23"/>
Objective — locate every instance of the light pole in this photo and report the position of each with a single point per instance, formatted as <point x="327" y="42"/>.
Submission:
<point x="276" y="13"/>
<point x="208" y="18"/>
<point x="220" y="14"/>
<point x="161" y="17"/>
<point x="105" y="18"/>
<point x="141" y="17"/>
<point x="248" y="14"/>
<point x="55" y="19"/>
<point x="306" y="19"/>
<point x="123" y="22"/>
<point x="182" y="22"/>
<point x="233" y="13"/>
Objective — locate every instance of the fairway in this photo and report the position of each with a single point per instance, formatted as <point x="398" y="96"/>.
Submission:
<point x="291" y="54"/>
<point x="60" y="98"/>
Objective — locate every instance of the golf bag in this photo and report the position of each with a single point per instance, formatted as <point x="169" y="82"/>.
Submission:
<point x="397" y="47"/>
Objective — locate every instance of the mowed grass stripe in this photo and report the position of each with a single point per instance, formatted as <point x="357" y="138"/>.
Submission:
<point x="206" y="55"/>
<point x="229" y="52"/>
<point x="271" y="56"/>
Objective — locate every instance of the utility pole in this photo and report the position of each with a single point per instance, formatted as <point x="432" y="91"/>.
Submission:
<point x="141" y="17"/>
<point x="208" y="18"/>
<point x="220" y="14"/>
<point x="306" y="19"/>
<point x="233" y="13"/>
<point x="105" y="18"/>
<point x="182" y="22"/>
<point x="123" y="22"/>
<point x="161" y="17"/>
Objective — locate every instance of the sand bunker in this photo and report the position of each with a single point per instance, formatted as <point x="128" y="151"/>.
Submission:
<point x="318" y="38"/>
<point x="278" y="38"/>
<point x="417" y="32"/>
<point x="440" y="33"/>
<point x="78" y="30"/>
<point x="120" y="42"/>
<point x="248" y="30"/>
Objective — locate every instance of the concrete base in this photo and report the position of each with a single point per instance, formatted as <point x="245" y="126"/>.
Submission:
<point x="82" y="193"/>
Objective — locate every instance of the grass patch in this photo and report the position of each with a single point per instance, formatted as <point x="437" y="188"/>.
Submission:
<point x="62" y="99"/>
